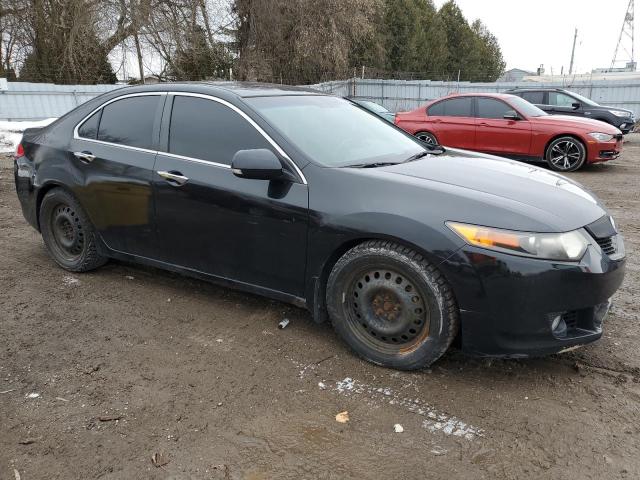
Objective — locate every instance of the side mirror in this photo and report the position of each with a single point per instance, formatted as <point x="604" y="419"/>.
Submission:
<point x="576" y="105"/>
<point x="257" y="164"/>
<point x="511" y="115"/>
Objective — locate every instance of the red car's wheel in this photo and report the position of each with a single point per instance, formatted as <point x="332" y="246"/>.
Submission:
<point x="566" y="154"/>
<point x="426" y="137"/>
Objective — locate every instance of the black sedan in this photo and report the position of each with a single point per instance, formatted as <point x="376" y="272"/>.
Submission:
<point x="309" y="199"/>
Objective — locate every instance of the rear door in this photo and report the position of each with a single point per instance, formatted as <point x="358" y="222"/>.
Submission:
<point x="453" y="123"/>
<point x="210" y="221"/>
<point x="114" y="150"/>
<point x="495" y="134"/>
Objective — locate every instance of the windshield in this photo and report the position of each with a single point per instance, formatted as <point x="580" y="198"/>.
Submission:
<point x="334" y="132"/>
<point x="374" y="107"/>
<point x="586" y="100"/>
<point x="526" y="108"/>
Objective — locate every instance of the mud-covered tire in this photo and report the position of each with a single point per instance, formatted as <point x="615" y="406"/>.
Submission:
<point x="566" y="154"/>
<point x="392" y="306"/>
<point x="68" y="233"/>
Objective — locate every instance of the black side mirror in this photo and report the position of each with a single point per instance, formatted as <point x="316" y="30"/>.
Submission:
<point x="257" y="164"/>
<point x="576" y="105"/>
<point x="511" y="115"/>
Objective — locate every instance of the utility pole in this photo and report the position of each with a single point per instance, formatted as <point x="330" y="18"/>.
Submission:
<point x="573" y="51"/>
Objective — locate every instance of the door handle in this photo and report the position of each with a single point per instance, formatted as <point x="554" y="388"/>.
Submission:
<point x="483" y="124"/>
<point x="84" y="157"/>
<point x="174" y="177"/>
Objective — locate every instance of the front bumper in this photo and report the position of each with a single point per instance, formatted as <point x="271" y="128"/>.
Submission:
<point x="604" y="151"/>
<point x="508" y="303"/>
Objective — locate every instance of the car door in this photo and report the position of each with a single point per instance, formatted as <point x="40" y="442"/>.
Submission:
<point x="453" y="123"/>
<point x="496" y="134"/>
<point x="114" y="149"/>
<point x="211" y="221"/>
<point x="563" y="104"/>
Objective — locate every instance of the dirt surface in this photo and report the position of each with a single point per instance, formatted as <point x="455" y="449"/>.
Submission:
<point x="99" y="372"/>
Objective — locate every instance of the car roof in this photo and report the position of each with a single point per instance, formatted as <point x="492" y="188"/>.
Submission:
<point x="239" y="89"/>
<point x="477" y="94"/>
<point x="537" y="89"/>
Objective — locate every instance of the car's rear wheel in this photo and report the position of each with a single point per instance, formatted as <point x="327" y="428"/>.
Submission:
<point x="426" y="137"/>
<point x="67" y="232"/>
<point x="391" y="306"/>
<point x="566" y="154"/>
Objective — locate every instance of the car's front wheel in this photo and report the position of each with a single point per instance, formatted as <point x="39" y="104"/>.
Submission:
<point x="68" y="233"/>
<point x="391" y="306"/>
<point x="566" y="154"/>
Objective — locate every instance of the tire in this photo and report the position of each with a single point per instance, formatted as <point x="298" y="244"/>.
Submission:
<point x="391" y="306"/>
<point x="566" y="154"/>
<point x="67" y="232"/>
<point x="426" y="137"/>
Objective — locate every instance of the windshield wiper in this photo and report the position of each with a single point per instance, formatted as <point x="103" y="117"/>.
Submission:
<point x="370" y="165"/>
<point x="431" y="150"/>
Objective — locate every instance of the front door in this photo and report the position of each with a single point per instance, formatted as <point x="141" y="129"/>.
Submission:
<point x="209" y="220"/>
<point x="114" y="150"/>
<point x="496" y="134"/>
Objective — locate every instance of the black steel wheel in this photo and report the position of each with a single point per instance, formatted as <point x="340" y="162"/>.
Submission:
<point x="391" y="305"/>
<point x="67" y="232"/>
<point x="566" y="154"/>
<point x="428" y="138"/>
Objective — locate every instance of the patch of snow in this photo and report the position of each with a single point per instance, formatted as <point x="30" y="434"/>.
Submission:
<point x="33" y="395"/>
<point x="70" y="281"/>
<point x="435" y="421"/>
<point x="11" y="133"/>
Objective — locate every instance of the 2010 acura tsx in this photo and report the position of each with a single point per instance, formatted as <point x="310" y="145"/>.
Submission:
<point x="310" y="199"/>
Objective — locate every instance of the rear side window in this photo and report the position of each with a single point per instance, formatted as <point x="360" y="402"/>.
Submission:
<point x="491" y="108"/>
<point x="537" y="98"/>
<point x="207" y="130"/>
<point x="456" y="107"/>
<point x="89" y="129"/>
<point x="129" y="121"/>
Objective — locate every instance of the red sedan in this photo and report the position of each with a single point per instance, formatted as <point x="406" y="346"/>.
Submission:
<point x="510" y="126"/>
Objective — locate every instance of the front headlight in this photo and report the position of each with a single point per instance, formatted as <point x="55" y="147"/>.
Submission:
<point x="568" y="246"/>
<point x="620" y="113"/>
<point x="601" y="137"/>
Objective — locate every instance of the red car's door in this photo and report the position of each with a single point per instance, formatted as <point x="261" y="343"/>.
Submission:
<point x="497" y="134"/>
<point x="453" y="123"/>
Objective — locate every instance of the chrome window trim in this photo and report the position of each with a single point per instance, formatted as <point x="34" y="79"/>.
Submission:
<point x="273" y="143"/>
<point x="77" y="136"/>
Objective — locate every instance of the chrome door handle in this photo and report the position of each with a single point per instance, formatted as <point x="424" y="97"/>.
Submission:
<point x="85" y="157"/>
<point x="483" y="124"/>
<point x="176" y="177"/>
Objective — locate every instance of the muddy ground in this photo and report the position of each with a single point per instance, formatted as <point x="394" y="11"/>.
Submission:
<point x="98" y="372"/>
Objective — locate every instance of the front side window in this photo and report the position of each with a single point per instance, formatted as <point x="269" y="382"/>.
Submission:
<point x="491" y="108"/>
<point x="561" y="100"/>
<point x="455" y="107"/>
<point x="208" y="130"/>
<point x="334" y="132"/>
<point x="129" y="121"/>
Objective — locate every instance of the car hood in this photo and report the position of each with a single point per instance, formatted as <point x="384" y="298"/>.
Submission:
<point x="576" y="122"/>
<point x="517" y="196"/>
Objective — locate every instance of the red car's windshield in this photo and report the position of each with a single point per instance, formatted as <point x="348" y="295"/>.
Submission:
<point x="525" y="108"/>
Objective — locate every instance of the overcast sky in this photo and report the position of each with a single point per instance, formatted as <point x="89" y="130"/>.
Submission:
<point x="541" y="31"/>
